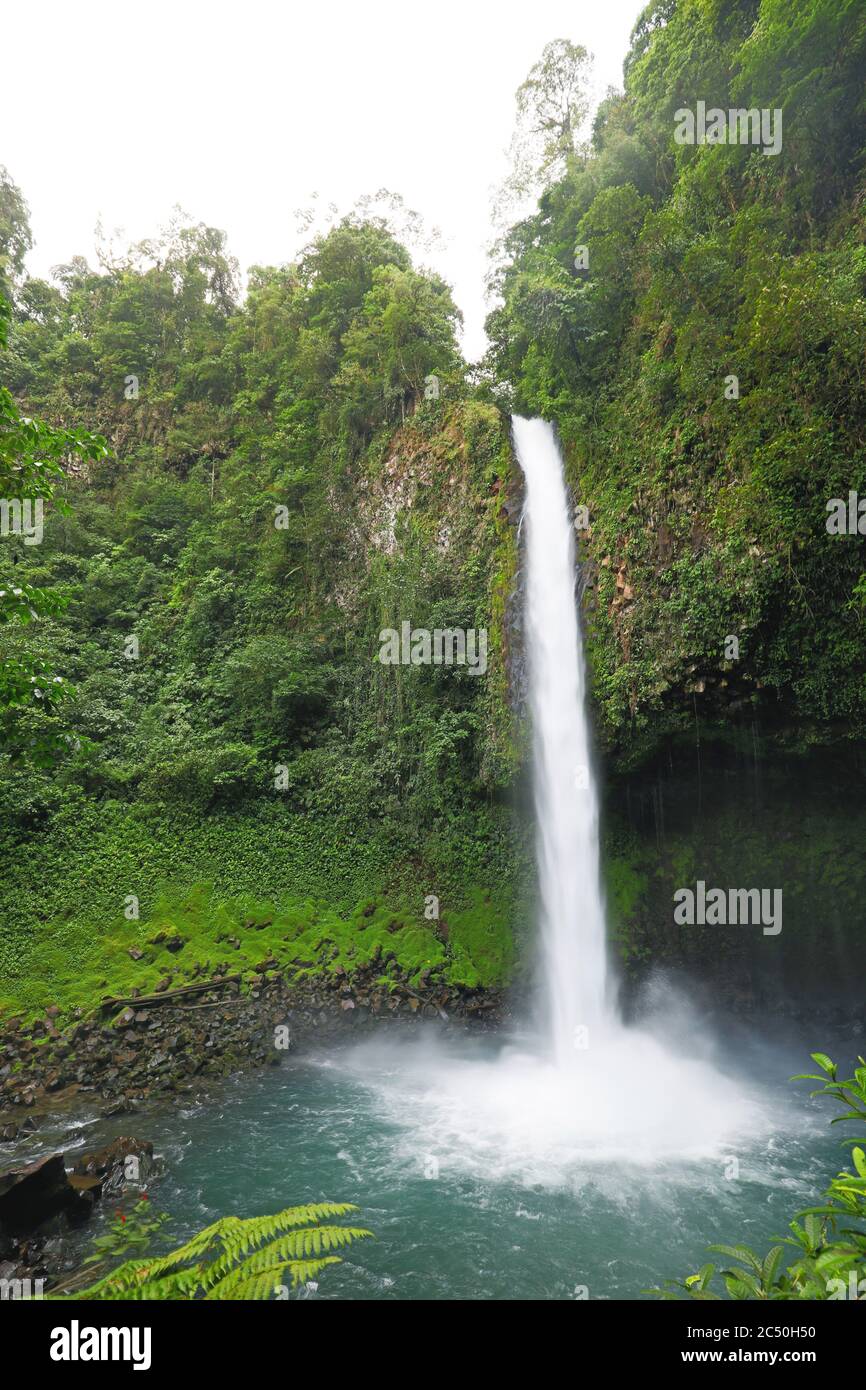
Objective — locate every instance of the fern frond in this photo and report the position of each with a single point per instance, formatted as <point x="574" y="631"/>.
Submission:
<point x="263" y="1284"/>
<point x="296" y="1245"/>
<point x="235" y="1254"/>
<point x="132" y="1281"/>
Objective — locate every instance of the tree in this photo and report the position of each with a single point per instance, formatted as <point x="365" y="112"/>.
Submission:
<point x="16" y="238"/>
<point x="552" y="104"/>
<point x="404" y="333"/>
<point x="33" y="456"/>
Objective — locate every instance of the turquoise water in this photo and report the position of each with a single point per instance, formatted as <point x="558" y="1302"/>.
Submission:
<point x="459" y="1213"/>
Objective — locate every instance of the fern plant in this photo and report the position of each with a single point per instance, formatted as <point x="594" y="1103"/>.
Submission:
<point x="236" y="1258"/>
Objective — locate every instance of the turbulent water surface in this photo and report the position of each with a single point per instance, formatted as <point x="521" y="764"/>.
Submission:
<point x="502" y="1205"/>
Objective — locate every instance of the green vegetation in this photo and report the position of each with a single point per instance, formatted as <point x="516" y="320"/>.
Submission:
<point x="832" y="1259"/>
<point x="232" y="1258"/>
<point x="205" y="769"/>
<point x="290" y="472"/>
<point x="707" y="262"/>
<point x="281" y="886"/>
<point x="32" y="457"/>
<point x="283" y="482"/>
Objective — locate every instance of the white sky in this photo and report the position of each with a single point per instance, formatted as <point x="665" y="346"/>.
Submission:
<point x="239" y="112"/>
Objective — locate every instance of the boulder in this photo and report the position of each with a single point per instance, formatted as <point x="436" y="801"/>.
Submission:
<point x="123" y="1162"/>
<point x="33" y="1194"/>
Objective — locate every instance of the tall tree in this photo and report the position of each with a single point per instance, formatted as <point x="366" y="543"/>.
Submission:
<point x="552" y="105"/>
<point x="16" y="238"/>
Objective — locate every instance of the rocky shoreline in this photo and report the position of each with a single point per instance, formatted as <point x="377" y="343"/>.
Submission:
<point x="129" y="1053"/>
<point x="132" y="1057"/>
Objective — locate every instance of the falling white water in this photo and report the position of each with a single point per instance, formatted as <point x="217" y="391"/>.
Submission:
<point x="559" y="1110"/>
<point x="573" y="925"/>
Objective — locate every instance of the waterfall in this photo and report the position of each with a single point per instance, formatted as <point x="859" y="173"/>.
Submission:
<point x="590" y="1092"/>
<point x="566" y="799"/>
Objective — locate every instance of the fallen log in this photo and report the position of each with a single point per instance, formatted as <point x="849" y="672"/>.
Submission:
<point x="110" y="1002"/>
<point x="217" y="1004"/>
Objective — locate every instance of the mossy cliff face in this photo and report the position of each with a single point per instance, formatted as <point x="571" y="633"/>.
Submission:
<point x="695" y="614"/>
<point x="692" y="318"/>
<point x="391" y="831"/>
<point x="404" y="835"/>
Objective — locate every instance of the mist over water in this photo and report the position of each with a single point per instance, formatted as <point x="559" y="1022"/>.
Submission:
<point x="476" y="1184"/>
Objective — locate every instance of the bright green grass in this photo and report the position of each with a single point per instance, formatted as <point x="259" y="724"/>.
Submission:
<point x="238" y="889"/>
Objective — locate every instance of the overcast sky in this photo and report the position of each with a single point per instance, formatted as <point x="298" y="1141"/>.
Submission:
<point x="239" y="112"/>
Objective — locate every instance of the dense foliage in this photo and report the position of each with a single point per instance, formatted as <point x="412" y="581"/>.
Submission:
<point x="708" y="262"/>
<point x="32" y="458"/>
<point x="285" y="476"/>
<point x="292" y="470"/>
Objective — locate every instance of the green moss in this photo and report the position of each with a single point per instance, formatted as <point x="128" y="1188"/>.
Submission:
<point x="188" y="935"/>
<point x="626" y="883"/>
<point x="482" y="948"/>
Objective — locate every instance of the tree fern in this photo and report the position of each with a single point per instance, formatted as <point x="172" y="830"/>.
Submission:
<point x="236" y="1259"/>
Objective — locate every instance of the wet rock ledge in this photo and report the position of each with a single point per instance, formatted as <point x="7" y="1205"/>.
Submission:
<point x="43" y="1200"/>
<point x="131" y="1051"/>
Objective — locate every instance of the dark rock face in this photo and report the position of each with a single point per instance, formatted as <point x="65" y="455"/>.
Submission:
<point x="40" y="1201"/>
<point x="35" y="1194"/>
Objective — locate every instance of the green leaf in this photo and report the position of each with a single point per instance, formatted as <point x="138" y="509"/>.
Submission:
<point x="739" y="1252"/>
<point x="825" y="1063"/>
<point x="770" y="1266"/>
